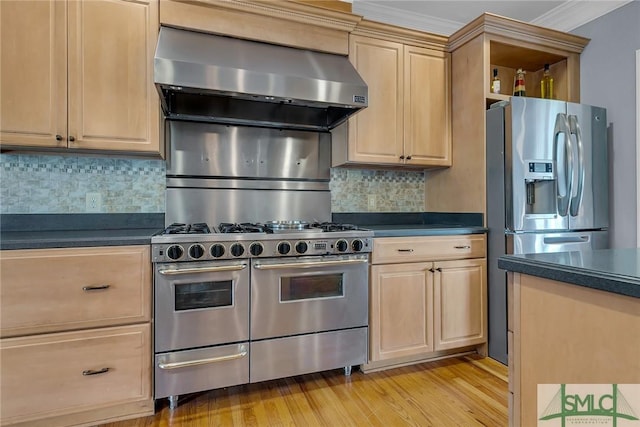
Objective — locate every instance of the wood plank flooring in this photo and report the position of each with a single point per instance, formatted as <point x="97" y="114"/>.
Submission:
<point x="461" y="391"/>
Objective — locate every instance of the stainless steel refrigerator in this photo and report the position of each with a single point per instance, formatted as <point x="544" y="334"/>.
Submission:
<point x="547" y="189"/>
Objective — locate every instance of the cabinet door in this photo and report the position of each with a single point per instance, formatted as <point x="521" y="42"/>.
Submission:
<point x="95" y="371"/>
<point x="460" y="303"/>
<point x="33" y="78"/>
<point x="401" y="317"/>
<point x="427" y="105"/>
<point x="375" y="134"/>
<point x="113" y="104"/>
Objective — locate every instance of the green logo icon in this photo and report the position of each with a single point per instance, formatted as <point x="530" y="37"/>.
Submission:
<point x="564" y="405"/>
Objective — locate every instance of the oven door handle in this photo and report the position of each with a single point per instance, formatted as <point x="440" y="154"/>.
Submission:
<point x="310" y="264"/>
<point x="212" y="269"/>
<point x="178" y="365"/>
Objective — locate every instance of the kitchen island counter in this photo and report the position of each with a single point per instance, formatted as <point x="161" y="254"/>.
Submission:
<point x="610" y="270"/>
<point x="570" y="315"/>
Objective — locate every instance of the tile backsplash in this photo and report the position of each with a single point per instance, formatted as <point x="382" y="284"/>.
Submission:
<point x="33" y="183"/>
<point x="364" y="190"/>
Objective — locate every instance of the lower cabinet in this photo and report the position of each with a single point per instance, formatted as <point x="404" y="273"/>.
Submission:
<point x="423" y="306"/>
<point x="75" y="345"/>
<point x="87" y="373"/>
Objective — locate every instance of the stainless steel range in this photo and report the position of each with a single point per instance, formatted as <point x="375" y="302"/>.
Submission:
<point x="252" y="282"/>
<point x="239" y="303"/>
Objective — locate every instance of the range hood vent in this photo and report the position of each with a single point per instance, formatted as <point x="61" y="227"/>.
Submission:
<point x="204" y="77"/>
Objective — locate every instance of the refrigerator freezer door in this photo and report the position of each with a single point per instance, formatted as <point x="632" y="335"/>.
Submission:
<point x="528" y="243"/>
<point x="534" y="161"/>
<point x="589" y="201"/>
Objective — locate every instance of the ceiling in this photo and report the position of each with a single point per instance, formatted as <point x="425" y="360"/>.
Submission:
<point x="446" y="17"/>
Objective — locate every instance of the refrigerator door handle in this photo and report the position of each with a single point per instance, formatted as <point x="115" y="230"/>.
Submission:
<point x="564" y="168"/>
<point x="563" y="240"/>
<point x="576" y="200"/>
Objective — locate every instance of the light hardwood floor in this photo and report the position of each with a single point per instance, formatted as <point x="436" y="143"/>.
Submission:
<point x="461" y="391"/>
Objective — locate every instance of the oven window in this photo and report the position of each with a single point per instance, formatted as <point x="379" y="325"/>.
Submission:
<point x="311" y="287"/>
<point x="191" y="296"/>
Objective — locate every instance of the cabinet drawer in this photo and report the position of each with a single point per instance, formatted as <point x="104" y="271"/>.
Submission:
<point x="427" y="248"/>
<point x="63" y="289"/>
<point x="48" y="375"/>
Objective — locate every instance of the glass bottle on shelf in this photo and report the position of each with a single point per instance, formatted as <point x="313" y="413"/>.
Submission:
<point x="495" y="83"/>
<point x="546" y="84"/>
<point x="518" y="84"/>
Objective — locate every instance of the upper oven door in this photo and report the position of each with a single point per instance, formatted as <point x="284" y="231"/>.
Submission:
<point x="308" y="294"/>
<point x="200" y="304"/>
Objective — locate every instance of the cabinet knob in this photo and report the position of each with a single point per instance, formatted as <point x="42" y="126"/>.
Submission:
<point x="71" y="138"/>
<point x="439" y="270"/>
<point x="58" y="137"/>
<point x="401" y="157"/>
<point x="408" y="157"/>
<point x="432" y="270"/>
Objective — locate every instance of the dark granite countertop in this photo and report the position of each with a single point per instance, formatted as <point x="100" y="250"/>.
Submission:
<point x="405" y="224"/>
<point x="43" y="231"/>
<point x="611" y="270"/>
<point x="394" y="230"/>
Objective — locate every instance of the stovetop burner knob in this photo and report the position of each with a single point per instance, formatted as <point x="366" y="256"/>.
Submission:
<point x="237" y="249"/>
<point x="217" y="250"/>
<point x="196" y="251"/>
<point x="256" y="249"/>
<point x="301" y="247"/>
<point x="284" y="248"/>
<point x="357" y="245"/>
<point x="175" y="251"/>
<point x="341" y="245"/>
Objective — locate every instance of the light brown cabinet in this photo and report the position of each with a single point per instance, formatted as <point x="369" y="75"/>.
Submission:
<point x="75" y="325"/>
<point x="79" y="75"/>
<point x="486" y="43"/>
<point x="562" y="333"/>
<point x="428" y="296"/>
<point x="407" y="122"/>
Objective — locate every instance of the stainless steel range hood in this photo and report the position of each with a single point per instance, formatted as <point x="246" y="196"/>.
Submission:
<point x="204" y="77"/>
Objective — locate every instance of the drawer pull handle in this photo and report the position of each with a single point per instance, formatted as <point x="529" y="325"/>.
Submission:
<point x="405" y="250"/>
<point x="176" y="365"/>
<point x="463" y="247"/>
<point x="95" y="287"/>
<point x="98" y="372"/>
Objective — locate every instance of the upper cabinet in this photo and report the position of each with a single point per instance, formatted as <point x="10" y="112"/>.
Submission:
<point x="407" y="122"/>
<point x="486" y="43"/>
<point x="79" y="75"/>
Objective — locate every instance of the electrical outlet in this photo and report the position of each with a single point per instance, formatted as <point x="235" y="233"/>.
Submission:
<point x="371" y="201"/>
<point x="93" y="202"/>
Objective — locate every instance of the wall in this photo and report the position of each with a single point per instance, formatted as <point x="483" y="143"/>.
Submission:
<point x="352" y="190"/>
<point x="607" y="79"/>
<point x="32" y="183"/>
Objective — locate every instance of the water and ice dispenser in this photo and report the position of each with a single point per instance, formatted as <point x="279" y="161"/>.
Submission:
<point x="540" y="185"/>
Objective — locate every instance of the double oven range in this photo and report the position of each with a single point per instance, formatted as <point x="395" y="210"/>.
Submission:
<point x="251" y="280"/>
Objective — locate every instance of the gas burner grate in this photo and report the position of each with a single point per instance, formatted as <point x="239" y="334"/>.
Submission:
<point x="196" y="228"/>
<point x="228" y="227"/>
<point x="332" y="226"/>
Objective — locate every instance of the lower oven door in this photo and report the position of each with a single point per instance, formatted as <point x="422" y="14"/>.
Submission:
<point x="308" y="294"/>
<point x="200" y="304"/>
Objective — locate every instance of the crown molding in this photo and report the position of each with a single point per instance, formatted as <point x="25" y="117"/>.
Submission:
<point x="574" y="13"/>
<point x="418" y="21"/>
<point x="566" y="17"/>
